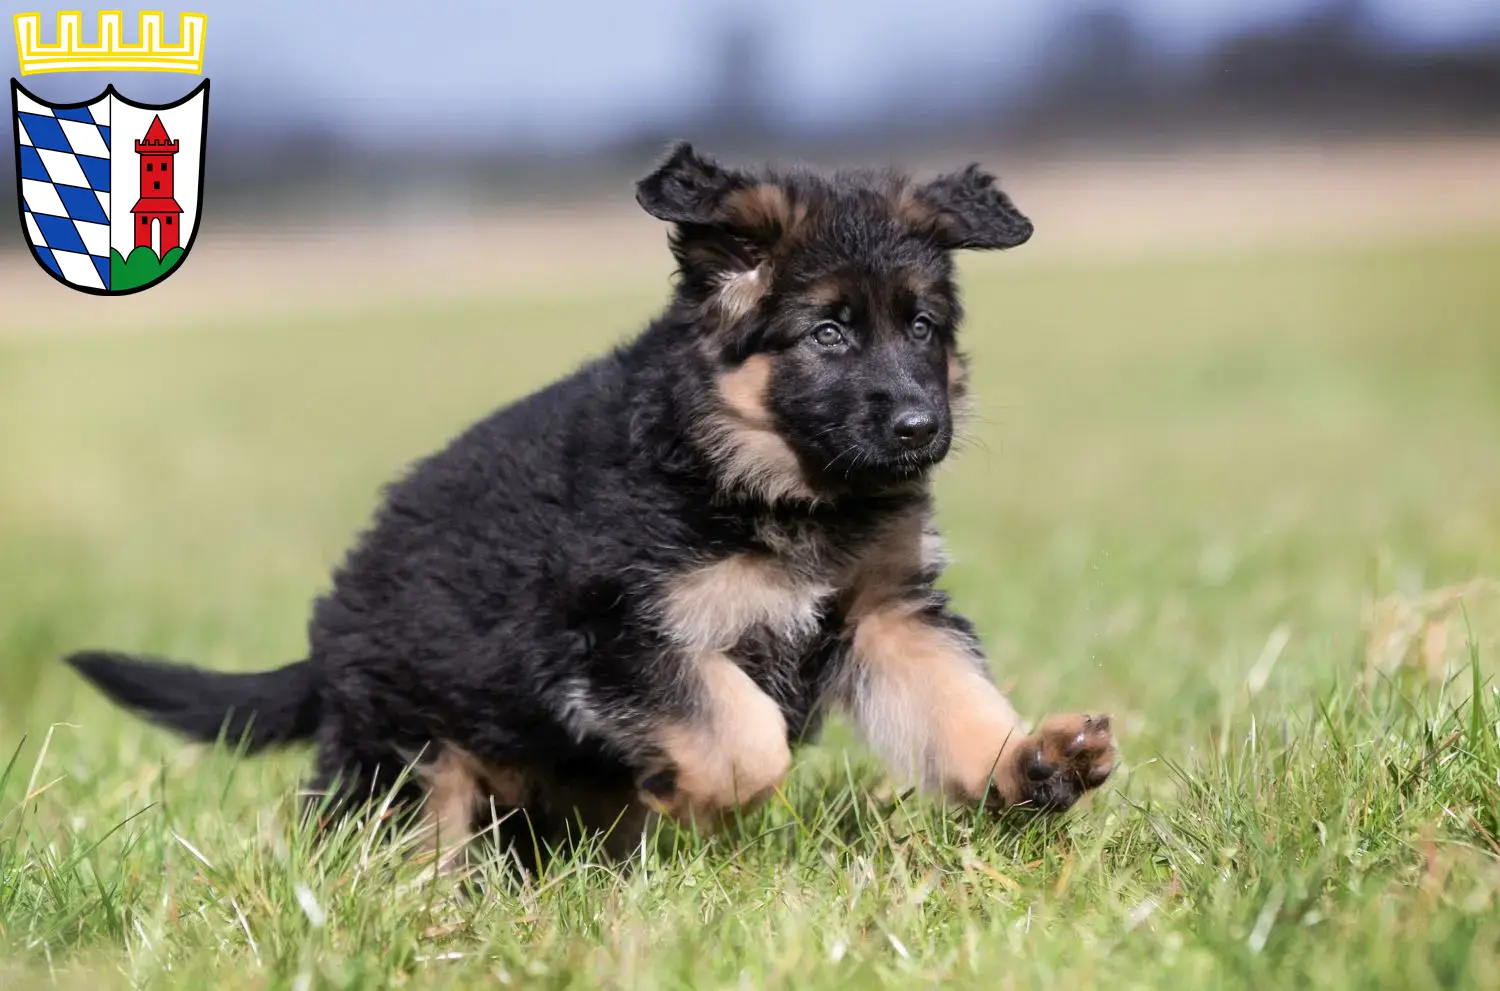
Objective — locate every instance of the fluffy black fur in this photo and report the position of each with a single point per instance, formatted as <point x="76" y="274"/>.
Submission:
<point x="506" y="598"/>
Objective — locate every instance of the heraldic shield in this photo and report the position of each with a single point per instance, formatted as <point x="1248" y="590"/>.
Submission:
<point x="111" y="191"/>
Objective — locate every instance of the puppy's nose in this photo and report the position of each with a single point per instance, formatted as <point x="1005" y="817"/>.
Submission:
<point x="914" y="427"/>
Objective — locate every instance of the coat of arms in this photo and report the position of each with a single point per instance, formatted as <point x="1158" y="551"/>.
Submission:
<point x="110" y="190"/>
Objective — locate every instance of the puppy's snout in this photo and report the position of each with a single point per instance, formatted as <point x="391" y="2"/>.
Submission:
<point x="914" y="427"/>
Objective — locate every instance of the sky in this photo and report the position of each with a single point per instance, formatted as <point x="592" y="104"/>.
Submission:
<point x="569" y="74"/>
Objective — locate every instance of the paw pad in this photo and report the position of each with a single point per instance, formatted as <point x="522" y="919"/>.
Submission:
<point x="1066" y="757"/>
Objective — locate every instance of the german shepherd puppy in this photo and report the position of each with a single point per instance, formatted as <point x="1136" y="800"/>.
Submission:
<point x="637" y="589"/>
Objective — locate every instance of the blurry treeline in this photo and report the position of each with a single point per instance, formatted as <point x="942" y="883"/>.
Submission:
<point x="1100" y="84"/>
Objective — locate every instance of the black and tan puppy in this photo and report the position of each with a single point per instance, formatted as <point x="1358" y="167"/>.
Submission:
<point x="639" y="587"/>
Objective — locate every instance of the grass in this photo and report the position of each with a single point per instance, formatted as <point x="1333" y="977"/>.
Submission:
<point x="1190" y="480"/>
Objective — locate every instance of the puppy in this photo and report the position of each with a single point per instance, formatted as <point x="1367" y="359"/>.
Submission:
<point x="638" y="588"/>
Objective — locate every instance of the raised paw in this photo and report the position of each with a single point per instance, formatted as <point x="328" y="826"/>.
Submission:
<point x="1065" y="757"/>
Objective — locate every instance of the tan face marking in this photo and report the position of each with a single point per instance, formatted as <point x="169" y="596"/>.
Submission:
<point x="826" y="293"/>
<point x="742" y="437"/>
<point x="745" y="388"/>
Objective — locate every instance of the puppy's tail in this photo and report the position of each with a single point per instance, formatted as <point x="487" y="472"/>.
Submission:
<point x="259" y="710"/>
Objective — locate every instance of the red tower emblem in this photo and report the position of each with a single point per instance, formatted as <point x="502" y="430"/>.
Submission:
<point x="157" y="210"/>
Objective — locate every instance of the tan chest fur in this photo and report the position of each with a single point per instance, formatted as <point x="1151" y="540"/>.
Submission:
<point x="786" y="591"/>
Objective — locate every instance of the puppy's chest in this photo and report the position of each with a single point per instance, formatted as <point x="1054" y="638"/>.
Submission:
<point x="772" y="598"/>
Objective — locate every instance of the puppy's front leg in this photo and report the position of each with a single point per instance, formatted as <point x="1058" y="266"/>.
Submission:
<point x="919" y="689"/>
<point x="729" y="752"/>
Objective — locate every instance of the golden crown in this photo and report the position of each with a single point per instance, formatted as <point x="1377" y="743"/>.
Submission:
<point x="150" y="53"/>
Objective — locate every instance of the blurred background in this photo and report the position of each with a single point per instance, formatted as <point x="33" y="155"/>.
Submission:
<point x="1117" y="121"/>
<point x="1242" y="387"/>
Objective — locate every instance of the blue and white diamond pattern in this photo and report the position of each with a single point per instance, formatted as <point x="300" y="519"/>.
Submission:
<point x="65" y="187"/>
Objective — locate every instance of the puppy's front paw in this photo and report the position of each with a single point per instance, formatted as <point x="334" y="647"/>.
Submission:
<point x="1065" y="757"/>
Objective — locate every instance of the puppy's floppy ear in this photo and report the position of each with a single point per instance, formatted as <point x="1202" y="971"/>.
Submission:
<point x="727" y="223"/>
<point x="967" y="210"/>
<point x="689" y="188"/>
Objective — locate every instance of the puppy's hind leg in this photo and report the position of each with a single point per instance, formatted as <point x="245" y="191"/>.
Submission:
<point x="463" y="796"/>
<point x="351" y="782"/>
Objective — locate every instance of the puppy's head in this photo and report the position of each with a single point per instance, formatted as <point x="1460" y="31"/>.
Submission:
<point x="826" y="309"/>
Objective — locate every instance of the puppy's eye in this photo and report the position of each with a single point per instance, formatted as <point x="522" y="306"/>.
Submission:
<point x="828" y="334"/>
<point x="921" y="328"/>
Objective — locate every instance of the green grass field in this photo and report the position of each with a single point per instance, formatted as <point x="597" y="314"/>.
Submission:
<point x="1189" y="479"/>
